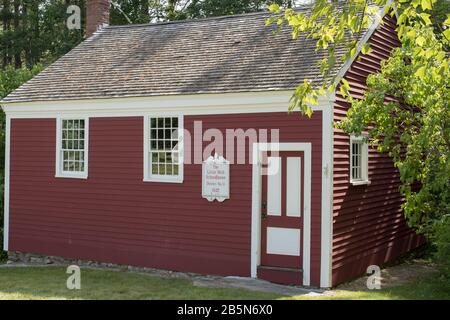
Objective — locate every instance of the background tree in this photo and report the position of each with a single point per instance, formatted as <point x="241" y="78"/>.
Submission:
<point x="32" y="34"/>
<point x="208" y="8"/>
<point x="138" y="11"/>
<point x="35" y="31"/>
<point x="132" y="11"/>
<point x="414" y="128"/>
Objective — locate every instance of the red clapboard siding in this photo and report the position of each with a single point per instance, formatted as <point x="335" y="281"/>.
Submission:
<point x="114" y="216"/>
<point x="368" y="223"/>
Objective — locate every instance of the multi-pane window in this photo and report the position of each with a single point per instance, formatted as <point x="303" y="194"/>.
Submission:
<point x="358" y="160"/>
<point x="72" y="147"/>
<point x="164" y="153"/>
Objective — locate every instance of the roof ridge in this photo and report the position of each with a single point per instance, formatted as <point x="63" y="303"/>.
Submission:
<point x="185" y="21"/>
<point x="194" y="20"/>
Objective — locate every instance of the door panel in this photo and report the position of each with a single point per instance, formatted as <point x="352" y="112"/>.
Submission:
<point x="283" y="241"/>
<point x="281" y="216"/>
<point x="293" y="185"/>
<point x="274" y="186"/>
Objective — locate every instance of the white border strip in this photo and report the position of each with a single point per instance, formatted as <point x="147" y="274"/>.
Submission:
<point x="326" y="242"/>
<point x="168" y="105"/>
<point x="6" y="184"/>
<point x="255" y="254"/>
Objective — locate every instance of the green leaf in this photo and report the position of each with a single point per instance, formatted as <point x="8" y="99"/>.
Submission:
<point x="331" y="88"/>
<point x="322" y="91"/>
<point x="354" y="23"/>
<point x="308" y="111"/>
<point x="274" y="8"/>
<point x="353" y="52"/>
<point x="414" y="3"/>
<point x="426" y="18"/>
<point x="420" y="41"/>
<point x="447" y="21"/>
<point x="447" y="33"/>
<point x="420" y="73"/>
<point x="270" y="21"/>
<point x="345" y="88"/>
<point x="366" y="48"/>
<point x="311" y="99"/>
<point x="426" y="4"/>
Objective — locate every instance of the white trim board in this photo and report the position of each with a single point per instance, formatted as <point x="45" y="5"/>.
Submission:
<point x="255" y="254"/>
<point x="6" y="184"/>
<point x="326" y="233"/>
<point x="247" y="102"/>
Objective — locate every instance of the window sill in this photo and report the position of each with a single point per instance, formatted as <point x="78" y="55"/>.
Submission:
<point x="159" y="180"/>
<point x="360" y="182"/>
<point x="66" y="176"/>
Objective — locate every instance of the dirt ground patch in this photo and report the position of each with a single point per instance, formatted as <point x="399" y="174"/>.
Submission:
<point x="397" y="275"/>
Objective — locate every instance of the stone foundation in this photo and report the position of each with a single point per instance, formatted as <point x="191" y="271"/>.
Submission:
<point x="15" y="257"/>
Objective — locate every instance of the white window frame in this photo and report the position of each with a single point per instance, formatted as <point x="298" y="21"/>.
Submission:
<point x="60" y="173"/>
<point x="148" y="176"/>
<point x="364" y="161"/>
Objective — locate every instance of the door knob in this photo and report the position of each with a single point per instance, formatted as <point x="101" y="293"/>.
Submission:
<point x="263" y="210"/>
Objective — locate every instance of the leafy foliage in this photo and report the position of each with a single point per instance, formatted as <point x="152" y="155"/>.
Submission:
<point x="414" y="126"/>
<point x="442" y="240"/>
<point x="11" y="79"/>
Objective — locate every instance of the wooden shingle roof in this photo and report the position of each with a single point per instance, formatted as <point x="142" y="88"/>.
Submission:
<point x="214" y="55"/>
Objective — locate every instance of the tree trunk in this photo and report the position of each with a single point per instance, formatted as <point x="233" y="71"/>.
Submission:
<point x="6" y="15"/>
<point x="17" y="50"/>
<point x="34" y="33"/>
<point x="27" y="42"/>
<point x="171" y="9"/>
<point x="144" y="9"/>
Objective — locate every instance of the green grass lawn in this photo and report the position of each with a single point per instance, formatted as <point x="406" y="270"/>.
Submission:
<point x="430" y="287"/>
<point x="50" y="283"/>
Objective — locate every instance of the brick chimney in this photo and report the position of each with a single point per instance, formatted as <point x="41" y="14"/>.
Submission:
<point x="97" y="15"/>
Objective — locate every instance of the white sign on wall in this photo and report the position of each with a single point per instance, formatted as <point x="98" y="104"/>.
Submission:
<point x="216" y="178"/>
